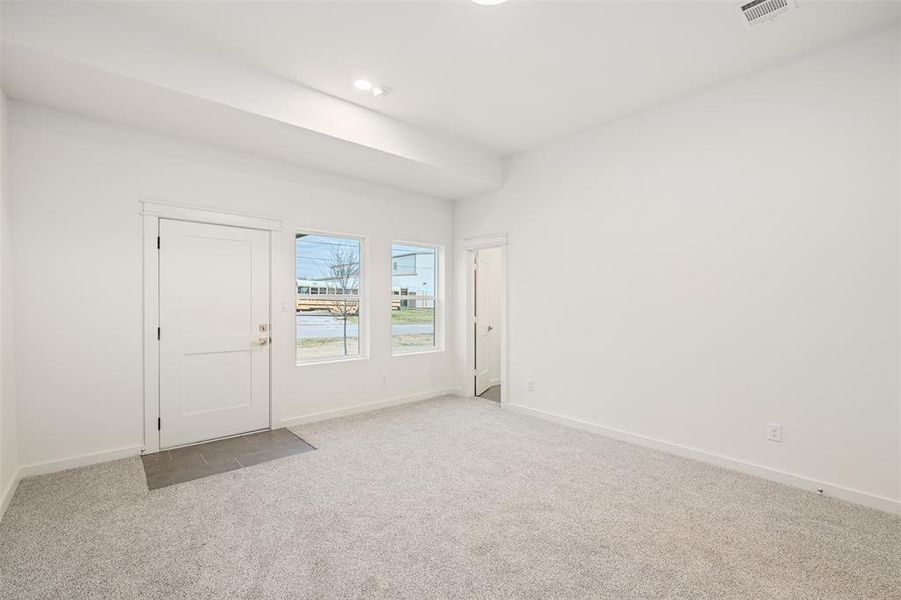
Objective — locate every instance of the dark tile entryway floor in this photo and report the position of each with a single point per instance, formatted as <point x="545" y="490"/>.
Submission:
<point x="193" y="462"/>
<point x="493" y="393"/>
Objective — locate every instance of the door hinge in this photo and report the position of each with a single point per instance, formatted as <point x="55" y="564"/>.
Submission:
<point x="157" y="333"/>
<point x="157" y="242"/>
<point x="159" y="424"/>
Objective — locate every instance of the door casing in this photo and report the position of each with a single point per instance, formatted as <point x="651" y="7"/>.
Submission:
<point x="470" y="245"/>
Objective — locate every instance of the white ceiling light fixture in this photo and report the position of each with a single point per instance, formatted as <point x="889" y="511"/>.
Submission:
<point x="365" y="85"/>
<point x="489" y="2"/>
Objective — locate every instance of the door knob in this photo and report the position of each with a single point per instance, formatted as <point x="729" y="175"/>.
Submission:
<point x="263" y="341"/>
<point x="491" y="328"/>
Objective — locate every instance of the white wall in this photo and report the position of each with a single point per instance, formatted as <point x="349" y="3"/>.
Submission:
<point x="9" y="460"/>
<point x="77" y="242"/>
<point x="736" y="257"/>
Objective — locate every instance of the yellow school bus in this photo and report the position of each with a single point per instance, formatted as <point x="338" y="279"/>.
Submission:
<point x="307" y="290"/>
<point x="306" y="300"/>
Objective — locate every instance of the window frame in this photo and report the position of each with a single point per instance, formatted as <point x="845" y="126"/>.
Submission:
<point x="360" y="297"/>
<point x="437" y="298"/>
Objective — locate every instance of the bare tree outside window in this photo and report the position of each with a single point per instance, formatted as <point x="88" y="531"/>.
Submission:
<point x="344" y="274"/>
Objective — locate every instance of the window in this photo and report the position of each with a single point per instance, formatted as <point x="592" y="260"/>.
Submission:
<point x="414" y="299"/>
<point x="328" y="312"/>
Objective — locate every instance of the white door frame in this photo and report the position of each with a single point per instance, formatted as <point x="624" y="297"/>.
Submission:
<point x="470" y="245"/>
<point x="152" y="211"/>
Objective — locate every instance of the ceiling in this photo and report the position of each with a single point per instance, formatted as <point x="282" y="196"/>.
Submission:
<point x="512" y="76"/>
<point x="91" y="59"/>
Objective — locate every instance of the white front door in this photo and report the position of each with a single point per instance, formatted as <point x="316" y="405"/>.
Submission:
<point x="214" y="331"/>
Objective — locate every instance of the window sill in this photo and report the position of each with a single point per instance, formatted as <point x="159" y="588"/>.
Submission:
<point x="416" y="352"/>
<point x="330" y="361"/>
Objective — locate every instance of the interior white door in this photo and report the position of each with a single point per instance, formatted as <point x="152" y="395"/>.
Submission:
<point x="487" y="321"/>
<point x="214" y="331"/>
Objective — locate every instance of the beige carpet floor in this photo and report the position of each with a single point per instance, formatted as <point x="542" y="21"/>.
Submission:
<point x="448" y="498"/>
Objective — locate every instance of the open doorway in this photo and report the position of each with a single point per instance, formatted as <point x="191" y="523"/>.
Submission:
<point x="487" y="316"/>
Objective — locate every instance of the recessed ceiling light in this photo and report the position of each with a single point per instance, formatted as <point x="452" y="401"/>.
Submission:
<point x="362" y="84"/>
<point x="489" y="2"/>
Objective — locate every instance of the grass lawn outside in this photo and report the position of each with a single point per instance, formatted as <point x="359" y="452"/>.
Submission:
<point x="404" y="315"/>
<point x="310" y="348"/>
<point x="413" y="341"/>
<point x="413" y="315"/>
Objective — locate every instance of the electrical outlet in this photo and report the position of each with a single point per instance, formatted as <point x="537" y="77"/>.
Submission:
<point x="530" y="385"/>
<point x="774" y="432"/>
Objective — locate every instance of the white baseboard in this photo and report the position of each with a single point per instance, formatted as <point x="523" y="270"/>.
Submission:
<point x="7" y="494"/>
<point x="45" y="468"/>
<point x="77" y="461"/>
<point x="830" y="489"/>
<point x="366" y="407"/>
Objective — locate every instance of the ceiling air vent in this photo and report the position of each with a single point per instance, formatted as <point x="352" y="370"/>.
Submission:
<point x="757" y="12"/>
